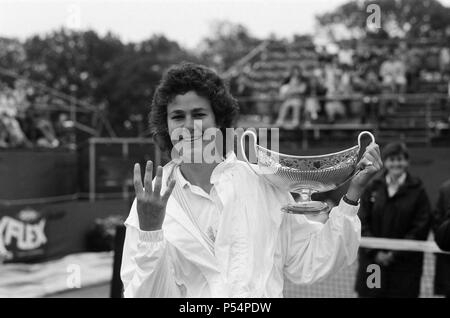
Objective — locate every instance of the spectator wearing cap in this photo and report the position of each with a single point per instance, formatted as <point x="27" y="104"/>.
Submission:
<point x="441" y="229"/>
<point x="395" y="205"/>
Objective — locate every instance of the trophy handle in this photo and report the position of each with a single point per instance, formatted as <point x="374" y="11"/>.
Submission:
<point x="248" y="133"/>
<point x="359" y="149"/>
<point x="365" y="132"/>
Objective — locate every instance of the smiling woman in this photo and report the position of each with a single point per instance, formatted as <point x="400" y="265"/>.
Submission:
<point x="200" y="90"/>
<point x="394" y="205"/>
<point x="215" y="229"/>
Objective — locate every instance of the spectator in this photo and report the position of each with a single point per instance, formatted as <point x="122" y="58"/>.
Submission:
<point x="12" y="134"/>
<point x="316" y="88"/>
<point x="414" y="65"/>
<point x="351" y="87"/>
<point x="393" y="72"/>
<point x="345" y="56"/>
<point x="243" y="92"/>
<point x="441" y="229"/>
<point x="13" y="104"/>
<point x="333" y="106"/>
<point x="371" y="88"/>
<point x="395" y="205"/>
<point x="3" y="134"/>
<point x="444" y="59"/>
<point x="292" y="91"/>
<point x="48" y="137"/>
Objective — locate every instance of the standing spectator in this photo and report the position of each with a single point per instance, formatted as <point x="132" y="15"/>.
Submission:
<point x="441" y="229"/>
<point x="292" y="91"/>
<point x="395" y="205"/>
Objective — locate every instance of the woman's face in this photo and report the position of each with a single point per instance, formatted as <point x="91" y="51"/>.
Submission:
<point x="396" y="165"/>
<point x="190" y="113"/>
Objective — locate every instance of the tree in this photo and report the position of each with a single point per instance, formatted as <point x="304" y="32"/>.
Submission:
<point x="129" y="85"/>
<point x="71" y="62"/>
<point x="408" y="19"/>
<point x="227" y="44"/>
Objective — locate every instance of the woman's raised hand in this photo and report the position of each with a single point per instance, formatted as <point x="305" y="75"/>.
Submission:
<point x="151" y="205"/>
<point x="369" y="165"/>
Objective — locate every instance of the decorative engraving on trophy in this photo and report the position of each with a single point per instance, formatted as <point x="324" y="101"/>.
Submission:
<point x="306" y="175"/>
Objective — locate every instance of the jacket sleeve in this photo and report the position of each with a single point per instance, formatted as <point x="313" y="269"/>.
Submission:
<point x="441" y="221"/>
<point x="442" y="236"/>
<point x="315" y="250"/>
<point x="420" y="226"/>
<point x="365" y="212"/>
<point x="365" y="215"/>
<point x="147" y="269"/>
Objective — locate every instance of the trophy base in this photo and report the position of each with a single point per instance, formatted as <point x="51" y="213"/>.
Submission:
<point x="306" y="207"/>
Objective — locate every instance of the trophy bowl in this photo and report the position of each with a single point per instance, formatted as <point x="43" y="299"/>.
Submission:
<point x="305" y="175"/>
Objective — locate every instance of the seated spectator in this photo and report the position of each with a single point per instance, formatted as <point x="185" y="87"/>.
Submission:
<point x="64" y="129"/>
<point x="413" y="65"/>
<point x="315" y="89"/>
<point x="15" y="135"/>
<point x="371" y="88"/>
<point x="244" y="92"/>
<point x="48" y="137"/>
<point x="444" y="60"/>
<point x="393" y="73"/>
<point x="345" y="56"/>
<point x="441" y="229"/>
<point x="350" y="87"/>
<point x="395" y="205"/>
<point x="333" y="105"/>
<point x="3" y="134"/>
<point x="240" y="88"/>
<point x="292" y="91"/>
<point x="12" y="135"/>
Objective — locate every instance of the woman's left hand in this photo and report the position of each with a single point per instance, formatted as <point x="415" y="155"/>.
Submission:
<point x="369" y="165"/>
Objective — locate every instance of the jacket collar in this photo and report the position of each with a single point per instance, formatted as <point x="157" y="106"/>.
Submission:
<point x="410" y="182"/>
<point x="216" y="173"/>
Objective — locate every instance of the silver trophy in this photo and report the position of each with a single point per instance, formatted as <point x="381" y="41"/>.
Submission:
<point x="305" y="175"/>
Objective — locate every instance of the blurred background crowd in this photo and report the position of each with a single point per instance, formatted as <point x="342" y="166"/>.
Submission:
<point x="340" y="81"/>
<point x="67" y="82"/>
<point x="59" y="89"/>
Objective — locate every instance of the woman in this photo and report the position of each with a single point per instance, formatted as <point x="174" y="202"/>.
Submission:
<point x="395" y="205"/>
<point x="220" y="232"/>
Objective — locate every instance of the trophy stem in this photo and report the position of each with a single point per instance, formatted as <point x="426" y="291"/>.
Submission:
<point x="305" y="195"/>
<point x="304" y="204"/>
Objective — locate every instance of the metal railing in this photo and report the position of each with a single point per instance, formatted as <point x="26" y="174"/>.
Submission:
<point x="125" y="144"/>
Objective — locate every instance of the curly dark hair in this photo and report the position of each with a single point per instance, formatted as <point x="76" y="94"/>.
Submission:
<point x="179" y="80"/>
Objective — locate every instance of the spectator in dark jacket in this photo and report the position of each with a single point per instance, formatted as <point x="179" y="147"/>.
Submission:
<point x="395" y="205"/>
<point x="441" y="228"/>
